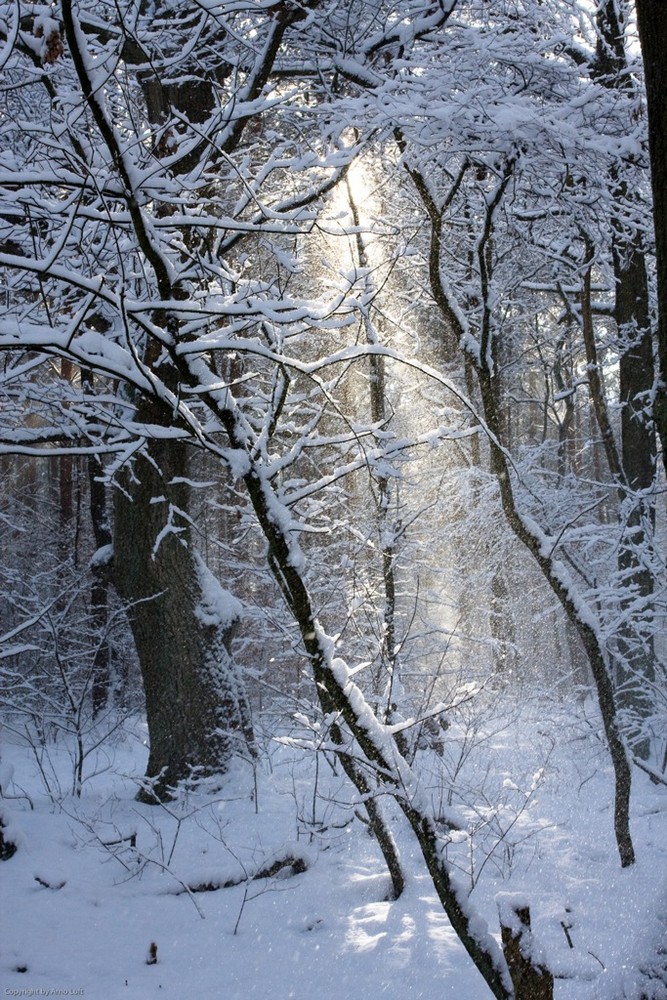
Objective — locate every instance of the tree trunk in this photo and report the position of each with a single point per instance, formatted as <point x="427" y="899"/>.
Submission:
<point x="99" y="589"/>
<point x="636" y="652"/>
<point x="635" y="659"/>
<point x="181" y="621"/>
<point x="531" y="979"/>
<point x="652" y="25"/>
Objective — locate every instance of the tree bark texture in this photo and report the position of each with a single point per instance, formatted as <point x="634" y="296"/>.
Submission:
<point x="635" y="656"/>
<point x="197" y="712"/>
<point x="532" y="981"/>
<point x="652" y="25"/>
<point x="636" y="651"/>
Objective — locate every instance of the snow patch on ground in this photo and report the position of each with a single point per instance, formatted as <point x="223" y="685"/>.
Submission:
<point x="98" y="881"/>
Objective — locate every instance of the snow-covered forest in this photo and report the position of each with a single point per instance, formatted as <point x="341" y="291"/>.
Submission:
<point x="333" y="413"/>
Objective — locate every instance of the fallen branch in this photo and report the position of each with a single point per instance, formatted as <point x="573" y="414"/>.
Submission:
<point x="286" y="867"/>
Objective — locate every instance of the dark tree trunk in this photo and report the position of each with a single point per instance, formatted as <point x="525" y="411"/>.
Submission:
<point x="196" y="707"/>
<point x="531" y="980"/>
<point x="636" y="652"/>
<point x="67" y="530"/>
<point x="652" y="24"/>
<point x="181" y="621"/>
<point x="635" y="659"/>
<point x="99" y="589"/>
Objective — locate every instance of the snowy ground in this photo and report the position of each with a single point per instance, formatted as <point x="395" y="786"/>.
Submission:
<point x="79" y="917"/>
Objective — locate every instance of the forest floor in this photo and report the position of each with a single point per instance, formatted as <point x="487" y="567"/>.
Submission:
<point x="100" y="883"/>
